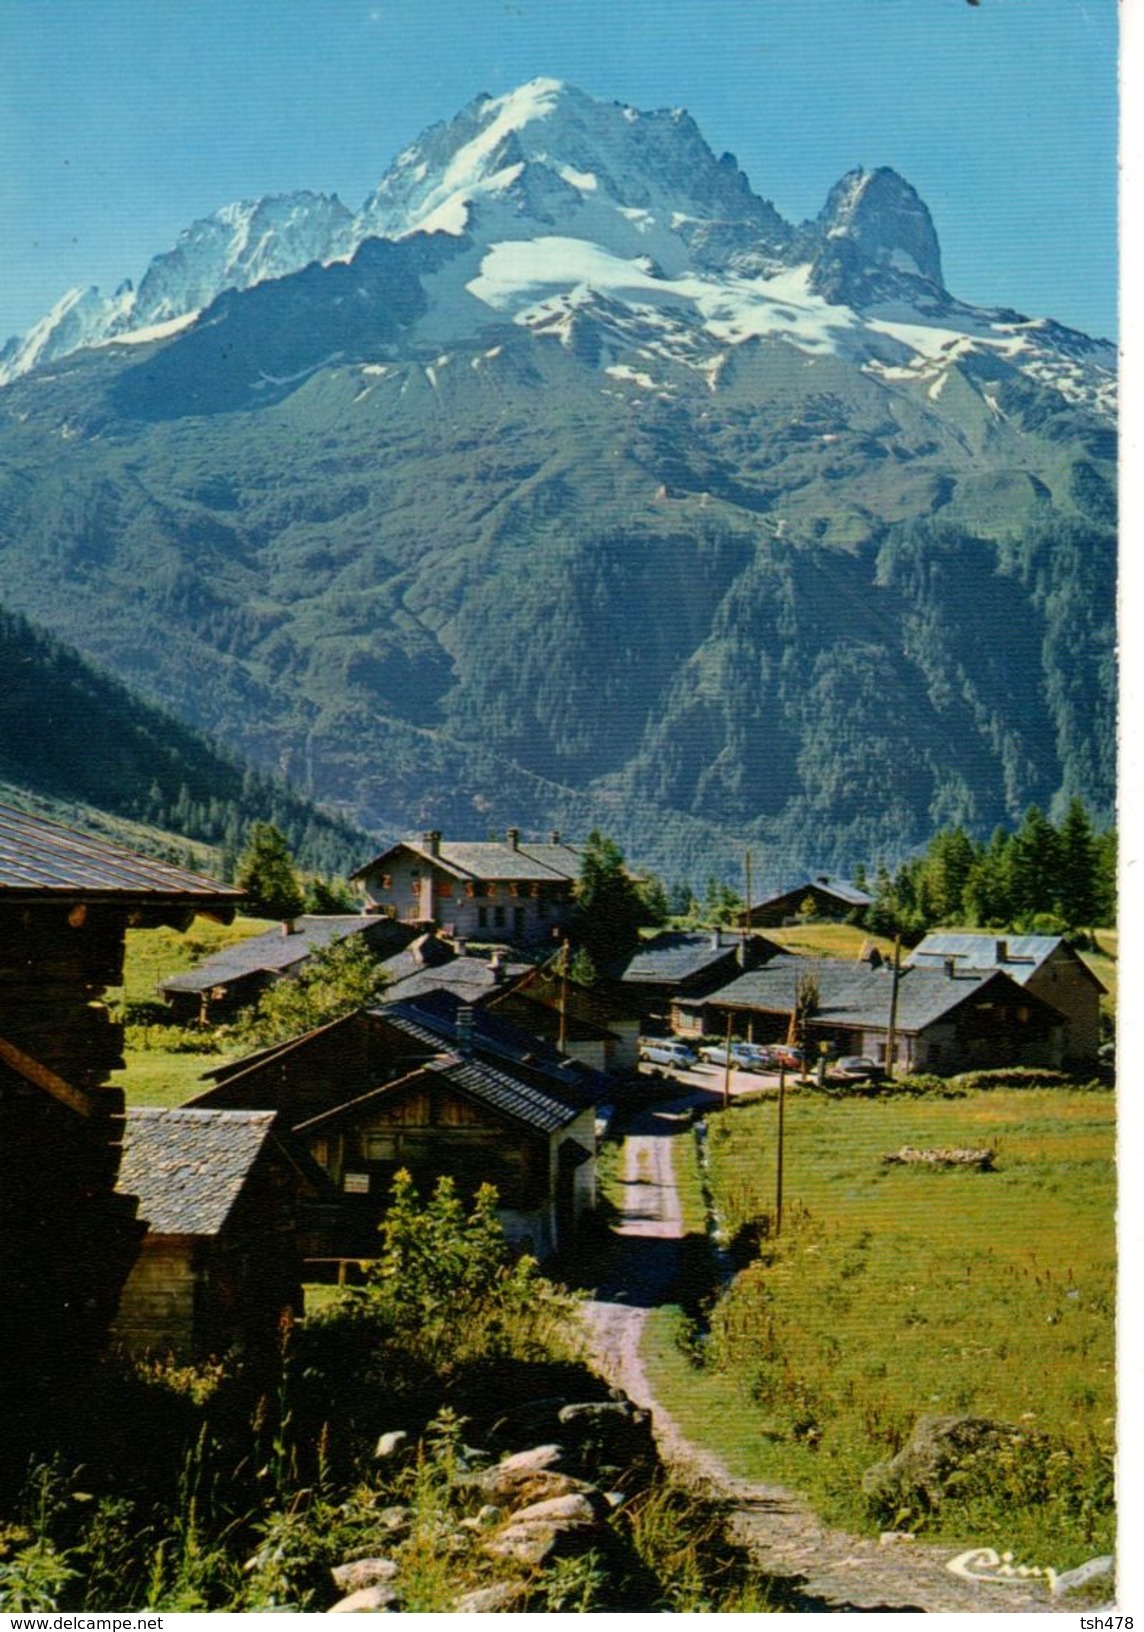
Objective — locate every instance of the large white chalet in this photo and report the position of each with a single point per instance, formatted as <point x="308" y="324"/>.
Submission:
<point x="512" y="891"/>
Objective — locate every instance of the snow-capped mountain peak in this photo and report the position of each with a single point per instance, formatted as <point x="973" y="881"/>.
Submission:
<point x="558" y="205"/>
<point x="587" y="151"/>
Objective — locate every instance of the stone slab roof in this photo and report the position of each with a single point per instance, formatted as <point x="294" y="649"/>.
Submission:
<point x="676" y="956"/>
<point x="39" y="858"/>
<point x="275" y="951"/>
<point x="188" y="1167"/>
<point x="491" y="861"/>
<point x="499" y="1040"/>
<point x="1020" y="956"/>
<point x="855" y="995"/>
<point x="473" y="979"/>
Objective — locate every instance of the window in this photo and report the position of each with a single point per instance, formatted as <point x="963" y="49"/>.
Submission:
<point x="445" y="888"/>
<point x="483" y="917"/>
<point x="498" y="917"/>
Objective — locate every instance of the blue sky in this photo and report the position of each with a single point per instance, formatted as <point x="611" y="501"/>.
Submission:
<point x="121" y="121"/>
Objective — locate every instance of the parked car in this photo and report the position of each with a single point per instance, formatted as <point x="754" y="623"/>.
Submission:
<point x="855" y="1068"/>
<point x="788" y="1055"/>
<point x="668" y="1051"/>
<point x="744" y="1056"/>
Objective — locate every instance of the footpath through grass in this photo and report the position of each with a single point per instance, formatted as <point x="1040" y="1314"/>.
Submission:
<point x="898" y="1291"/>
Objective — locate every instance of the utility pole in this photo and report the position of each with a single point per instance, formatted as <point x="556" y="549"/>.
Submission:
<point x="779" y="1156"/>
<point x="563" y="1031"/>
<point x="892" y="1029"/>
<point x="727" y="1065"/>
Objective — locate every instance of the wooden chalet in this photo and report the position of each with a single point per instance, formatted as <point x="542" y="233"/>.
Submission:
<point x="683" y="963"/>
<point x="67" y="1236"/>
<point x="518" y="892"/>
<point x="438" y="1088"/>
<point x="216" y="989"/>
<point x="946" y="1020"/>
<point x="223" y="1194"/>
<point x="828" y="900"/>
<point x="586" y="1023"/>
<point x="1044" y="965"/>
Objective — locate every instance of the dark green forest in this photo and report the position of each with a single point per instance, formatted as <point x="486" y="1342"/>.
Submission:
<point x="72" y="734"/>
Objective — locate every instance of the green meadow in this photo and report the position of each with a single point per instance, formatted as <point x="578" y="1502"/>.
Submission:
<point x="893" y="1292"/>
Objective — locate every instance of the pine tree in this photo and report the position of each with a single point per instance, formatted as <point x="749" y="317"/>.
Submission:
<point x="1076" y="871"/>
<point x="1033" y="865"/>
<point x="609" y="904"/>
<point x="266" y="872"/>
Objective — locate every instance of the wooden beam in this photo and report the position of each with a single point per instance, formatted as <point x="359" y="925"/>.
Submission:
<point x="44" y="1078"/>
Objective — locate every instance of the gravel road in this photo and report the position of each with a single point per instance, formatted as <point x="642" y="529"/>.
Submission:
<point x="819" y="1568"/>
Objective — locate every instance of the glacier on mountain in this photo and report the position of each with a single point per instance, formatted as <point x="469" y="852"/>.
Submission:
<point x="560" y="203"/>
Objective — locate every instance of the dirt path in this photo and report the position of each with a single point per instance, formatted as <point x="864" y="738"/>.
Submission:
<point x="816" y="1568"/>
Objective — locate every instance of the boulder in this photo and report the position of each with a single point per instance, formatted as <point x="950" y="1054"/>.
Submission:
<point x="363" y="1572"/>
<point x="389" y="1444"/>
<point x="366" y="1601"/>
<point x="608" y="1432"/>
<point x="540" y="1456"/>
<point x="518" y="1487"/>
<point x="501" y="1596"/>
<point x="939" y="1447"/>
<point x="572" y="1509"/>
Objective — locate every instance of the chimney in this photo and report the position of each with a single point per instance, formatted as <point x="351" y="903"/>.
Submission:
<point x="289" y="927"/>
<point x="496" y="969"/>
<point x="513" y="837"/>
<point x="460" y="946"/>
<point x="716" y="938"/>
<point x="949" y="965"/>
<point x="465" y="1031"/>
<point x="554" y="836"/>
<point x="1002" y="952"/>
<point x="432" y="842"/>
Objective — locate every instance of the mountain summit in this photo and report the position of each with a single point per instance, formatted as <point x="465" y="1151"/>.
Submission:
<point x="556" y="201"/>
<point x="564" y="484"/>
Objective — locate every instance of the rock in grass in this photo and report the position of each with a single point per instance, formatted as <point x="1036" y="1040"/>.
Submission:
<point x="939" y="1453"/>
<point x="518" y="1487"/>
<point x="540" y="1456"/>
<point x="502" y="1595"/>
<point x="389" y="1444"/>
<point x="366" y="1601"/>
<point x="363" y="1572"/>
<point x="574" y="1508"/>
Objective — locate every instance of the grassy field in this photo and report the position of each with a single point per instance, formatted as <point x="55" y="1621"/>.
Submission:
<point x="897" y="1291"/>
<point x="167" y="1075"/>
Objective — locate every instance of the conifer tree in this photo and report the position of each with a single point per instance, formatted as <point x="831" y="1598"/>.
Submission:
<point x="266" y="872"/>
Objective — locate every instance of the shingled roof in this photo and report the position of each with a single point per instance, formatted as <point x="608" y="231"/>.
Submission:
<point x="491" y="861"/>
<point x="676" y="956"/>
<point x="40" y="858"/>
<point x="500" y="1040"/>
<point x="188" y="1167"/>
<point x="1019" y="956"/>
<point x="274" y="951"/>
<point x="471" y="978"/>
<point x="499" y="1088"/>
<point x="854" y="994"/>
